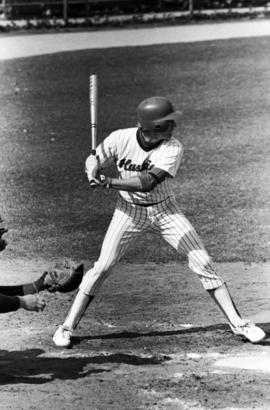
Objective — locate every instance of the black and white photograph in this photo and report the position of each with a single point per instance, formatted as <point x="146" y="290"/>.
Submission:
<point x="134" y="204"/>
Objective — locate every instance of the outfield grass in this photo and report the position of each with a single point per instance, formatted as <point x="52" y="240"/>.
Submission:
<point x="223" y="183"/>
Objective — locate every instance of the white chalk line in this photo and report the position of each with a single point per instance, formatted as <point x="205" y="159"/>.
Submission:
<point x="221" y="363"/>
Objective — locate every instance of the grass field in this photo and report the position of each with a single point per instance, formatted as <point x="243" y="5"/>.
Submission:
<point x="152" y="339"/>
<point x="223" y="183"/>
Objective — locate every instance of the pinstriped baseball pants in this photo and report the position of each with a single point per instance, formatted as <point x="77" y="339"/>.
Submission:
<point x="130" y="221"/>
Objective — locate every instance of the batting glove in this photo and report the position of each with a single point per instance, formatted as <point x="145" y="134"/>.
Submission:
<point x="92" y="169"/>
<point x="105" y="182"/>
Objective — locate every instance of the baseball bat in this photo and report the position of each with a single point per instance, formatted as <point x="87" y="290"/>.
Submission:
<point x="93" y="105"/>
<point x="93" y="102"/>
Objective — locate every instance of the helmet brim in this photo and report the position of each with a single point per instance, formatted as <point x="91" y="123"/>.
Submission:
<point x="174" y="116"/>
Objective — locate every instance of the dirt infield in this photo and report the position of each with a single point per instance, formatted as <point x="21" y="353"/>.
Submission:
<point x="159" y="345"/>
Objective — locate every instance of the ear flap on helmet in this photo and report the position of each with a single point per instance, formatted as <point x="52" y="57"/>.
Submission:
<point x="155" y="111"/>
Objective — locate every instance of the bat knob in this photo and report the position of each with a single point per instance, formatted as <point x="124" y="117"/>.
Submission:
<point x="93" y="183"/>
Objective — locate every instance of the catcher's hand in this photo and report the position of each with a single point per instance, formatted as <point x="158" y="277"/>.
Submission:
<point x="3" y="243"/>
<point x="64" y="277"/>
<point x="32" y="302"/>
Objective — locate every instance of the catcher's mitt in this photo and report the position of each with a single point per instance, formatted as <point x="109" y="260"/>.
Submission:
<point x="64" y="277"/>
<point x="3" y="243"/>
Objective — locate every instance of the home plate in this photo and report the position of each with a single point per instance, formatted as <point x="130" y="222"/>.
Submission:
<point x="256" y="362"/>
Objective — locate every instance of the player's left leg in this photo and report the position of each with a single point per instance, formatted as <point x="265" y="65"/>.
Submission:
<point x="127" y="225"/>
<point x="178" y="232"/>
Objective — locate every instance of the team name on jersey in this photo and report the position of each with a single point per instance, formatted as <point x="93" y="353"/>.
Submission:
<point x="127" y="165"/>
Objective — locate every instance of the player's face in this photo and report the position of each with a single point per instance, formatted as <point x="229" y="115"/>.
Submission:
<point x="160" y="132"/>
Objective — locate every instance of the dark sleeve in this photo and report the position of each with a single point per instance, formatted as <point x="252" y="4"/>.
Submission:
<point x="159" y="174"/>
<point x="143" y="183"/>
<point x="25" y="289"/>
<point x="152" y="178"/>
<point x="16" y="290"/>
<point x="9" y="303"/>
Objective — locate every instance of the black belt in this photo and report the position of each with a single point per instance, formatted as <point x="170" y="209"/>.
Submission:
<point x="155" y="203"/>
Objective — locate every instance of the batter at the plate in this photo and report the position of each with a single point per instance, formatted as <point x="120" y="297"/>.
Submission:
<point x="147" y="158"/>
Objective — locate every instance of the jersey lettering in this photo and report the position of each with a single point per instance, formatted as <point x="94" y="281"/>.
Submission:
<point x="127" y="165"/>
<point x="132" y="161"/>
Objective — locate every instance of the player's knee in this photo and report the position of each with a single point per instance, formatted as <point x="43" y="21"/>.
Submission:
<point x="198" y="260"/>
<point x="201" y="263"/>
<point x="90" y="281"/>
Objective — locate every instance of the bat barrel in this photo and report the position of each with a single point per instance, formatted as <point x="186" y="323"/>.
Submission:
<point x="93" y="101"/>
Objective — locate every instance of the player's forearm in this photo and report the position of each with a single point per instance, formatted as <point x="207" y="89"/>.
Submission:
<point x="9" y="303"/>
<point x="130" y="184"/>
<point x="24" y="289"/>
<point x="135" y="184"/>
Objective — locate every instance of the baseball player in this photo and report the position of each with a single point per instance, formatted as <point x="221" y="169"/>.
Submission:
<point x="20" y="296"/>
<point x="14" y="297"/>
<point x="147" y="158"/>
<point x="26" y="295"/>
<point x="61" y="279"/>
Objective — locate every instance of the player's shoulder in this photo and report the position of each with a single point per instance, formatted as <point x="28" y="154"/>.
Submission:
<point x="123" y="134"/>
<point x="173" y="143"/>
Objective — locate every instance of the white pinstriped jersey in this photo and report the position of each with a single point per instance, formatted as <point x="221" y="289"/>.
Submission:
<point x="132" y="160"/>
<point x="161" y="215"/>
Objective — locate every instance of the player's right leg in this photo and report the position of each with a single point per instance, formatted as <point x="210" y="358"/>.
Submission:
<point x="127" y="224"/>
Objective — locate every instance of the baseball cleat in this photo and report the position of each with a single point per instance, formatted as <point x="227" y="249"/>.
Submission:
<point x="249" y="330"/>
<point x="62" y="337"/>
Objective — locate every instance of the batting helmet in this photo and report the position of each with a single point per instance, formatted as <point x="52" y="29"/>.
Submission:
<point x="155" y="111"/>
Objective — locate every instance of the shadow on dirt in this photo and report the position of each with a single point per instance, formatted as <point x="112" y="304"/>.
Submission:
<point x="34" y="366"/>
<point x="133" y="335"/>
<point x="155" y="333"/>
<point x="30" y="367"/>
